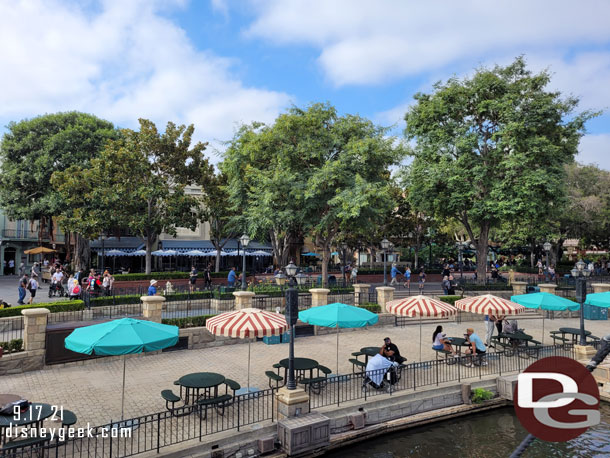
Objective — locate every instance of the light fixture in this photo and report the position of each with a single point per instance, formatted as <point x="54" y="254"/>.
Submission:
<point x="580" y="265"/>
<point x="291" y="269"/>
<point x="301" y="278"/>
<point x="547" y="246"/>
<point x="280" y="279"/>
<point x="245" y="240"/>
<point x="385" y="244"/>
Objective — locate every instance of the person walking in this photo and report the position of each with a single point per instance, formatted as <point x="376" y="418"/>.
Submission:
<point x="23" y="283"/>
<point x="231" y="277"/>
<point x="11" y="267"/>
<point x="32" y="287"/>
<point x="446" y="285"/>
<point x="407" y="276"/>
<point x="21" y="269"/>
<point x="394" y="273"/>
<point x="193" y="278"/>
<point x="207" y="277"/>
<point x="355" y="275"/>
<point x="152" y="289"/>
<point x="422" y="281"/>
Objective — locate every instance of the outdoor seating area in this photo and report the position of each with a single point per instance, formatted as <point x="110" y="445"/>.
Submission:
<point x="565" y="336"/>
<point x="19" y="416"/>
<point x="304" y="374"/>
<point x="202" y="389"/>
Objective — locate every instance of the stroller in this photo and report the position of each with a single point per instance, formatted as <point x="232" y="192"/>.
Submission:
<point x="380" y="372"/>
<point x="56" y="289"/>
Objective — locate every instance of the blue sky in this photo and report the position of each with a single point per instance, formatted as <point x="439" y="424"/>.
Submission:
<point x="219" y="63"/>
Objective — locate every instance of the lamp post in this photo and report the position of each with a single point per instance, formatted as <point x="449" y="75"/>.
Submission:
<point x="245" y="240"/>
<point x="103" y="236"/>
<point x="547" y="247"/>
<point x="385" y="244"/>
<point x="580" y="274"/>
<point x="461" y="258"/>
<point x="344" y="246"/>
<point x="292" y="313"/>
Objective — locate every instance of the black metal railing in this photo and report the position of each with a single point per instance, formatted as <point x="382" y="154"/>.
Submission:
<point x="152" y="433"/>
<point x="411" y="376"/>
<point x="97" y="313"/>
<point x="11" y="328"/>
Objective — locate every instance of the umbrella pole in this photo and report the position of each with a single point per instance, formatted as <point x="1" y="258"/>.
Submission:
<point x="123" y="395"/>
<point x="248" y="388"/>
<point x="420" y="338"/>
<point x="337" y="349"/>
<point x="543" y="317"/>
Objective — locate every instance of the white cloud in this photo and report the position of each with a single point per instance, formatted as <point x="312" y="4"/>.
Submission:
<point x="120" y="62"/>
<point x="595" y="149"/>
<point x="364" y="42"/>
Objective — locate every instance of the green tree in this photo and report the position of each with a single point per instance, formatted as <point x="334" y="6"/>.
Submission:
<point x="31" y="150"/>
<point x="491" y="148"/>
<point x="139" y="182"/>
<point x="313" y="173"/>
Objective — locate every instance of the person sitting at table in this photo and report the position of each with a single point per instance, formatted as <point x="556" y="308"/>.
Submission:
<point x="477" y="347"/>
<point x="390" y="351"/>
<point x="440" y="341"/>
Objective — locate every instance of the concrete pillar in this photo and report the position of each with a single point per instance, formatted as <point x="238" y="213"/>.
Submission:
<point x="34" y="328"/>
<point x="291" y="403"/>
<point x="600" y="287"/>
<point x="152" y="307"/>
<point x="584" y="353"/>
<point x="547" y="287"/>
<point x="319" y="296"/>
<point x="243" y="299"/>
<point x="361" y="289"/>
<point x="385" y="294"/>
<point x="519" y="287"/>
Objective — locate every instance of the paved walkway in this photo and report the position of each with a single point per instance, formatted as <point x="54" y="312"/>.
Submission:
<point x="93" y="391"/>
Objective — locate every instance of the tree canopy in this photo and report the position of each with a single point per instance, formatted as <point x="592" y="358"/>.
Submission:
<point x="492" y="148"/>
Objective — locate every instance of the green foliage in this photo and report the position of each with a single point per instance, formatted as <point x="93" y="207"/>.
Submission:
<point x="54" y="307"/>
<point x="165" y="276"/>
<point x="139" y="182"/>
<point x="480" y="395"/>
<point x="298" y="177"/>
<point x="371" y="307"/>
<point x="492" y="148"/>
<point x="187" y="322"/>
<point x="449" y="299"/>
<point x="13" y="346"/>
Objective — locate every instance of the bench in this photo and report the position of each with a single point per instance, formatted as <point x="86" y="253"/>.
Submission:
<point x="315" y="384"/>
<point x="274" y="377"/>
<point x="356" y="363"/>
<point x="232" y="384"/>
<point x="68" y="418"/>
<point x="445" y="356"/>
<point x="325" y="370"/>
<point x="169" y="396"/>
<point x="220" y="402"/>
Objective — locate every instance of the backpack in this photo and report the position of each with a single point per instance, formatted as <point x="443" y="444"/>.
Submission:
<point x="76" y="290"/>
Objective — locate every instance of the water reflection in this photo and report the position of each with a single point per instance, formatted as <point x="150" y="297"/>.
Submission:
<point x="491" y="434"/>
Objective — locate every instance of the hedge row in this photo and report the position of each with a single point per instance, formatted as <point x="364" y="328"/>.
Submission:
<point x="13" y="346"/>
<point x="54" y="307"/>
<point x="135" y="298"/>
<point x="371" y="307"/>
<point x="449" y="299"/>
<point x="165" y="276"/>
<point x="187" y="322"/>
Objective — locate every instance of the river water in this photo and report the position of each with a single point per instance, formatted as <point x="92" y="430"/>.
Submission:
<point x="495" y="433"/>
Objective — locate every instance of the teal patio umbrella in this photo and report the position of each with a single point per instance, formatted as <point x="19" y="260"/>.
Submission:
<point x="337" y="316"/>
<point x="545" y="301"/>
<point x="122" y="337"/>
<point x="598" y="299"/>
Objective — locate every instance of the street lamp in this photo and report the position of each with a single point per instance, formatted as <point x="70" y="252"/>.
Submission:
<point x="245" y="240"/>
<point x="344" y="246"/>
<point x="461" y="258"/>
<point x="103" y="236"/>
<point x="385" y="244"/>
<point x="547" y="247"/>
<point x="580" y="274"/>
<point x="292" y="315"/>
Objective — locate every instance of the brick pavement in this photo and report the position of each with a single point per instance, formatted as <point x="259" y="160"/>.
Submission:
<point x="93" y="391"/>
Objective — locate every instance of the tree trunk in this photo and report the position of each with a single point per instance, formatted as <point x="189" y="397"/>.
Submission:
<point x="82" y="255"/>
<point x="372" y="260"/>
<point x="149" y="243"/>
<point x="533" y="254"/>
<point x="482" y="246"/>
<point x="325" y="259"/>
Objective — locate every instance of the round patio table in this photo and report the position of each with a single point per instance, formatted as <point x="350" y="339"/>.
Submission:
<point x="575" y="332"/>
<point x="206" y="381"/>
<point x="300" y="365"/>
<point x="35" y="415"/>
<point x="369" y="352"/>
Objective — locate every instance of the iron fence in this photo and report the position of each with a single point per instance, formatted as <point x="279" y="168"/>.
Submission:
<point x="97" y="313"/>
<point x="150" y="433"/>
<point x="11" y="328"/>
<point x="269" y="303"/>
<point x="411" y="376"/>
<point x="196" y="307"/>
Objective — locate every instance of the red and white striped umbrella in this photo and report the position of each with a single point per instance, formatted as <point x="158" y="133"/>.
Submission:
<point x="421" y="306"/>
<point x="247" y="323"/>
<point x="489" y="305"/>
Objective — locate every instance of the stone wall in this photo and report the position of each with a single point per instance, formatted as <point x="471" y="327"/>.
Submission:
<point x="24" y="361"/>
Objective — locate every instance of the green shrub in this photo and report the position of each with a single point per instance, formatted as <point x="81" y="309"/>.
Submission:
<point x="187" y="322"/>
<point x="341" y="290"/>
<point x="479" y="395"/>
<point x="15" y="345"/>
<point x="4" y="346"/>
<point x="54" y="307"/>
<point x="371" y="307"/>
<point x="165" y="276"/>
<point x="449" y="299"/>
<point x="135" y="298"/>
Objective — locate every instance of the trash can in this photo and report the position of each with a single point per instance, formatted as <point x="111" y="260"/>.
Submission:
<point x="593" y="312"/>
